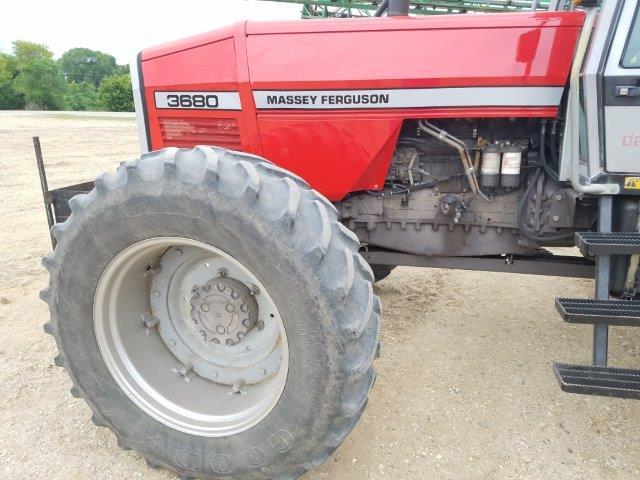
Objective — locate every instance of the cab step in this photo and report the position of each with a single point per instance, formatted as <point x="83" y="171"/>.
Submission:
<point x="598" y="380"/>
<point x="599" y="312"/>
<point x="613" y="243"/>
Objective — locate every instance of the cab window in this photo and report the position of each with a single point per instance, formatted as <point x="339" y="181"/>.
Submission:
<point x="631" y="57"/>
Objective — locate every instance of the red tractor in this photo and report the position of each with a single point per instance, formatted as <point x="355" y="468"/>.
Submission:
<point x="212" y="300"/>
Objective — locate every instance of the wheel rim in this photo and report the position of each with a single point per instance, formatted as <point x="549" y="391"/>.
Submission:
<point x="191" y="336"/>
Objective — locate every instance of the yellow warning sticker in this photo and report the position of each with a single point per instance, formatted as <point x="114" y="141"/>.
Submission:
<point x="632" y="183"/>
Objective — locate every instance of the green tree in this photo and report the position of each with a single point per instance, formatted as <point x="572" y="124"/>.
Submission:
<point x="115" y="94"/>
<point x="24" y="52"/>
<point x="81" y="96"/>
<point x="85" y="65"/>
<point x="41" y="84"/>
<point x="122" y="70"/>
<point x="10" y="98"/>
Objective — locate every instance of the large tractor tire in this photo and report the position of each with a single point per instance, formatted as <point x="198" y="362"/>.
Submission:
<point x="214" y="314"/>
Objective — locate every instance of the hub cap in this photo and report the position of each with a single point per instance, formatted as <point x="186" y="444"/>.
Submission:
<point x="191" y="336"/>
<point x="223" y="310"/>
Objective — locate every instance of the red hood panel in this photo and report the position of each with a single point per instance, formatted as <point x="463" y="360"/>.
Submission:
<point x="326" y="98"/>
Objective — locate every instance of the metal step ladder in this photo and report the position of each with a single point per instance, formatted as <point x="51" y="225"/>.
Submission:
<point x="601" y="312"/>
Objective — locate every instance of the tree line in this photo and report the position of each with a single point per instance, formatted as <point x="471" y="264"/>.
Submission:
<point x="81" y="79"/>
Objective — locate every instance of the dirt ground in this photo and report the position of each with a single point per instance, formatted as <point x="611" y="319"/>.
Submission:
<point x="465" y="388"/>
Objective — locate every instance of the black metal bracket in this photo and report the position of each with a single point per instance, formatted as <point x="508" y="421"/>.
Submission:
<point x="46" y="194"/>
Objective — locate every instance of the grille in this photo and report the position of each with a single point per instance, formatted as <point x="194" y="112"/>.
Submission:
<point x="188" y="132"/>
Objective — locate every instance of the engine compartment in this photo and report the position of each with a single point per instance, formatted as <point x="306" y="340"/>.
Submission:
<point x="461" y="187"/>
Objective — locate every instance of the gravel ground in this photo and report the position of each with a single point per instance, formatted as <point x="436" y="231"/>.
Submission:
<point x="465" y="388"/>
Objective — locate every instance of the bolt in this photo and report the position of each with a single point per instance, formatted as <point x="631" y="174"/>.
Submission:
<point x="240" y="335"/>
<point x="260" y="325"/>
<point x="186" y="371"/>
<point x="149" y="322"/>
<point x="229" y="342"/>
<point x="220" y="287"/>
<point x="216" y="341"/>
<point x="152" y="323"/>
<point x="556" y="218"/>
<point x="178" y="252"/>
<point x="207" y="287"/>
<point x="254" y="290"/>
<point x="244" y="307"/>
<point x="156" y="293"/>
<point x="223" y="272"/>
<point x="234" y="294"/>
<point x="246" y="322"/>
<point x="558" y="197"/>
<point x="152" y="269"/>
<point x="220" y="329"/>
<point x="205" y="307"/>
<point x="229" y="308"/>
<point x="235" y="390"/>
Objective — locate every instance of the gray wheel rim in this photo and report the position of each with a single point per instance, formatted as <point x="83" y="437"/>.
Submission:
<point x="147" y="333"/>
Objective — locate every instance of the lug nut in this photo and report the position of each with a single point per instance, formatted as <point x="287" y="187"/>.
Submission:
<point x="186" y="371"/>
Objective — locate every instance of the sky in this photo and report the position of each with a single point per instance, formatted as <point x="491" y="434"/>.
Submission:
<point x="124" y="27"/>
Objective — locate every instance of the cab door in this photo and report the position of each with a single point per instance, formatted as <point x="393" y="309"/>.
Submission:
<point x="622" y="94"/>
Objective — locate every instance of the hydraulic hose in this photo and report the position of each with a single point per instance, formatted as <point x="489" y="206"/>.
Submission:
<point x="543" y="156"/>
<point x="524" y="229"/>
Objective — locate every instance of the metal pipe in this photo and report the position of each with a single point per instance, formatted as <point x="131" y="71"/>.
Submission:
<point x="398" y="8"/>
<point x="459" y="145"/>
<point x="384" y="4"/>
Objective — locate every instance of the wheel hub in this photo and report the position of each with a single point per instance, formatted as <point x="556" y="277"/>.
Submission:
<point x="223" y="311"/>
<point x="220" y="327"/>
